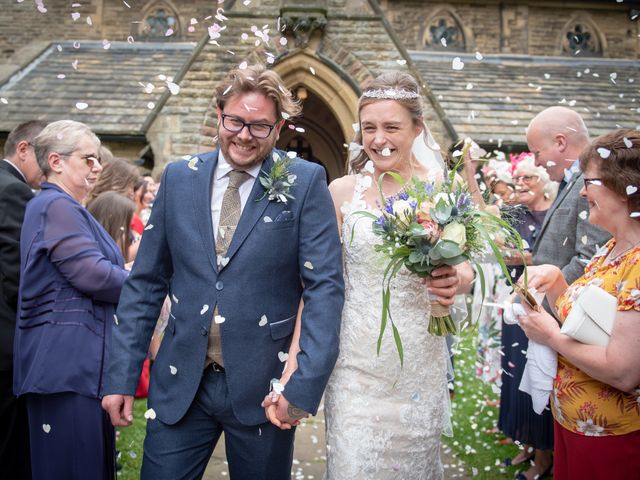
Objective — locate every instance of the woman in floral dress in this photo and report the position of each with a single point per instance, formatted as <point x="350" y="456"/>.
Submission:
<point x="596" y="395"/>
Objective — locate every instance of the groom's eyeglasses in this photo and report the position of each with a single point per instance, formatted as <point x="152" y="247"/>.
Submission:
<point x="235" y="125"/>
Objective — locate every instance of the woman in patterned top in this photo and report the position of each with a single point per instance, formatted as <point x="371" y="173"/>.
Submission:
<point x="596" y="393"/>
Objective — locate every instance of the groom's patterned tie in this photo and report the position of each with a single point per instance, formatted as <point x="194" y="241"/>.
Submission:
<point x="229" y="217"/>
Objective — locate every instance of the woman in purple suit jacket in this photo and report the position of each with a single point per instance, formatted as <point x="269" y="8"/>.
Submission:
<point x="71" y="276"/>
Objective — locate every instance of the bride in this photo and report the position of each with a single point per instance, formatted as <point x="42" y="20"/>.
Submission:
<point x="384" y="421"/>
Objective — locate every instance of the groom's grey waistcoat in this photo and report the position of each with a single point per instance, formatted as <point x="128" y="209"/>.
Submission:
<point x="279" y="253"/>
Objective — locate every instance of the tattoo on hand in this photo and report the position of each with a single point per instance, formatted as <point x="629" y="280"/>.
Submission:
<point x="296" y="413"/>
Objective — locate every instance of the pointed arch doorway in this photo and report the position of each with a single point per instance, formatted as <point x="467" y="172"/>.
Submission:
<point x="328" y="112"/>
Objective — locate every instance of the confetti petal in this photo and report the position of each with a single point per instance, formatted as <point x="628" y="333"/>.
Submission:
<point x="283" y="356"/>
<point x="219" y="319"/>
<point x="115" y="319"/>
<point x="386" y="152"/>
<point x="173" y="88"/>
<point x="267" y="219"/>
<point x="457" y="64"/>
<point x="192" y="164"/>
<point x="263" y="321"/>
<point x="204" y="309"/>
<point x="308" y="265"/>
<point x="173" y="369"/>
<point x="604" y="152"/>
<point x="81" y="105"/>
<point x="628" y="143"/>
<point x="583" y="214"/>
<point x="149" y="226"/>
<point x="150" y="414"/>
<point x="46" y="427"/>
<point x="631" y="189"/>
<point x="584" y="239"/>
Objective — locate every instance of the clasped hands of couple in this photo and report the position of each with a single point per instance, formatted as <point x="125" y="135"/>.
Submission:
<point x="443" y="285"/>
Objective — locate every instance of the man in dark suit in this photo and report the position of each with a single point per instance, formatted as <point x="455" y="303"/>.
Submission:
<point x="236" y="249"/>
<point x="557" y="136"/>
<point x="19" y="172"/>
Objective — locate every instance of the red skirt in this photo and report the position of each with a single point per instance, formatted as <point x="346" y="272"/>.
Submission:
<point x="608" y="458"/>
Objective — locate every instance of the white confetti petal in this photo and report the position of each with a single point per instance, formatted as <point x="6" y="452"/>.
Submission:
<point x="583" y="214"/>
<point x="263" y="321"/>
<point x="457" y="64"/>
<point x="386" y="152"/>
<point x="149" y="226"/>
<point x="267" y="219"/>
<point x="173" y="88"/>
<point x="150" y="414"/>
<point x="584" y="239"/>
<point x="635" y="215"/>
<point x="628" y="143"/>
<point x="604" y="152"/>
<point x="204" y="309"/>
<point x="631" y="189"/>
<point x="223" y="261"/>
<point x="479" y="56"/>
<point x="4" y="100"/>
<point x="219" y="319"/>
<point x="173" y="369"/>
<point x="75" y="16"/>
<point x="401" y="62"/>
<point x="192" y="164"/>
<point x="283" y="356"/>
<point x="174" y="298"/>
<point x="81" y="105"/>
<point x="368" y="167"/>
<point x="243" y="66"/>
<point x="115" y="319"/>
<point x="276" y="386"/>
<point x="308" y="265"/>
<point x="46" y="427"/>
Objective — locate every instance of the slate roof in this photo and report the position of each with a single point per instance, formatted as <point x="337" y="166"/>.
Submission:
<point x="493" y="99"/>
<point x="110" y="81"/>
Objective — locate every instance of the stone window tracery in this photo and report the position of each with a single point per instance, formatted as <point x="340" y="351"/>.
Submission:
<point x="443" y="30"/>
<point x="581" y="38"/>
<point x="160" y="22"/>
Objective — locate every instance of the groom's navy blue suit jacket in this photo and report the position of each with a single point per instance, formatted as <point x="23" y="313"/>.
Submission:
<point x="280" y="252"/>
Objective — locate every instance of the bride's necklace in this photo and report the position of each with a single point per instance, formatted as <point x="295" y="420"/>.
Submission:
<point x="612" y="258"/>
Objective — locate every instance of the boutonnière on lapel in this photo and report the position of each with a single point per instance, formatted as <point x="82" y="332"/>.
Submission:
<point x="278" y="182"/>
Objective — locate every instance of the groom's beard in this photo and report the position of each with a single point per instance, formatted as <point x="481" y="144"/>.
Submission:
<point x="242" y="155"/>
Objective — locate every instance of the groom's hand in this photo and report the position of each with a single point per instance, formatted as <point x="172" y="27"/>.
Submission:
<point x="281" y="413"/>
<point x="119" y="408"/>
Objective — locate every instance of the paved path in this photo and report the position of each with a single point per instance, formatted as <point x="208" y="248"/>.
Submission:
<point x="309" y="455"/>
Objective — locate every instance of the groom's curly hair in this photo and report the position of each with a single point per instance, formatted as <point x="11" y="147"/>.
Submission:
<point x="257" y="78"/>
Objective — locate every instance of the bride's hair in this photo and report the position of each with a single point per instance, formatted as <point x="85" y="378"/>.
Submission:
<point x="397" y="86"/>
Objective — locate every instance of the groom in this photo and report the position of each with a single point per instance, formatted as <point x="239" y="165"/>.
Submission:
<point x="235" y="261"/>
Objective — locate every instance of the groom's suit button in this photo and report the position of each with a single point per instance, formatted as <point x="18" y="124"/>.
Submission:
<point x="219" y="285"/>
<point x="203" y="331"/>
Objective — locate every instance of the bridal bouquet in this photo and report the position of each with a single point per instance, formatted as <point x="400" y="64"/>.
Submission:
<point x="428" y="225"/>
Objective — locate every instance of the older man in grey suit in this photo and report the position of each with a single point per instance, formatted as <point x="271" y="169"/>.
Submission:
<point x="557" y="136"/>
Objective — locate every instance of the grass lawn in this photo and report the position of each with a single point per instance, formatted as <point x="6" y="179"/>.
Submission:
<point x="130" y="443"/>
<point x="474" y="416"/>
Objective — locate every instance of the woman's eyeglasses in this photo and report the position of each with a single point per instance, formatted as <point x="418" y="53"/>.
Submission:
<point x="591" y="181"/>
<point x="524" y="178"/>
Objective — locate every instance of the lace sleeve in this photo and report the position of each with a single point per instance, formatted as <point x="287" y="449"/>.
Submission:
<point x="74" y="249"/>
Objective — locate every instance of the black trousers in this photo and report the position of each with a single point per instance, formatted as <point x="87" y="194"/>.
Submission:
<point x="15" y="462"/>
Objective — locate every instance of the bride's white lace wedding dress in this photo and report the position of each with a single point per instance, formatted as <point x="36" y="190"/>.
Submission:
<point x="384" y="421"/>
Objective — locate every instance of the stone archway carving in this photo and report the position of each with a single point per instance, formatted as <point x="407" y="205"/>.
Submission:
<point x="330" y="92"/>
<point x="157" y="18"/>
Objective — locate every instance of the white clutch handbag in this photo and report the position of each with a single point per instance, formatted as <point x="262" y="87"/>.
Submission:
<point x="591" y="318"/>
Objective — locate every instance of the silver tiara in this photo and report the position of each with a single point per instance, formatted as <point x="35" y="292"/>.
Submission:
<point x="390" y="93"/>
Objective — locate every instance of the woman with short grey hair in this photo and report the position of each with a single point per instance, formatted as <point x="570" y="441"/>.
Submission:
<point x="71" y="276"/>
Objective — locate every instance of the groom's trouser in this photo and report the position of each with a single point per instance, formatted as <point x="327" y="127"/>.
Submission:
<point x="182" y="451"/>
